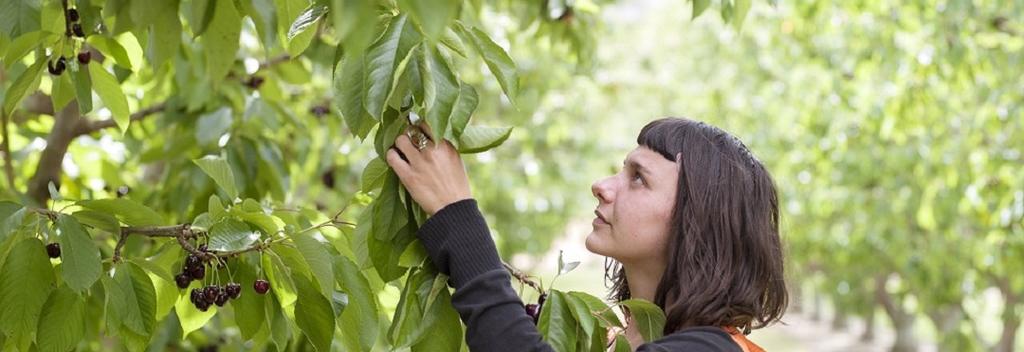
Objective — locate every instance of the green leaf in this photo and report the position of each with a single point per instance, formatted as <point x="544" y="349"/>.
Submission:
<point x="388" y="212"/>
<point x="19" y="16"/>
<point x="556" y="323"/>
<point x="622" y="344"/>
<point x="133" y="298"/>
<point x="190" y="318"/>
<point x="596" y="305"/>
<point x="165" y="35"/>
<point x="21" y="46"/>
<point x="302" y="31"/>
<point x="279" y="275"/>
<point x="441" y="91"/>
<point x="374" y="174"/>
<point x="359" y="319"/>
<point x="313" y="314"/>
<point x="355" y="22"/>
<point x="351" y="85"/>
<point x="319" y="259"/>
<point x="497" y="60"/>
<point x="62" y="324"/>
<point x="249" y="306"/>
<point x="219" y="170"/>
<point x="212" y="125"/>
<point x="231" y="235"/>
<point x="98" y="220"/>
<point x="83" y="90"/>
<point x="463" y="109"/>
<point x="433" y="16"/>
<point x="220" y="41"/>
<point x="477" y="139"/>
<point x="26" y="279"/>
<point x="384" y="59"/>
<point x="109" y="90"/>
<point x="650" y="319"/>
<point x="110" y="47"/>
<point x="79" y="255"/>
<point x="583" y="316"/>
<point x="741" y="9"/>
<point x="128" y="211"/>
<point x="699" y="6"/>
<point x="63" y="91"/>
<point x="202" y="15"/>
<point x="19" y="89"/>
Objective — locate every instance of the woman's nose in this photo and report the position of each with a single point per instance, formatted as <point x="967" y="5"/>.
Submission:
<point x="602" y="190"/>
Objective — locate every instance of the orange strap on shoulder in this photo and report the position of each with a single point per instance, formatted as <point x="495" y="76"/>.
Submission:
<point x="745" y="344"/>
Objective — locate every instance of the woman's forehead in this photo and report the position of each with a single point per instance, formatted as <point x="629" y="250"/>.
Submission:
<point x="650" y="160"/>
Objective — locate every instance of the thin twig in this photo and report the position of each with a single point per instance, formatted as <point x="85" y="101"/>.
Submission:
<point x="522" y="277"/>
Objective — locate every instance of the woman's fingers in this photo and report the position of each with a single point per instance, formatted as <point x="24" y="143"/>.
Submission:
<point x="400" y="166"/>
<point x="405" y="145"/>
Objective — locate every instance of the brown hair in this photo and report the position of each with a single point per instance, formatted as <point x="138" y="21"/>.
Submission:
<point x="724" y="253"/>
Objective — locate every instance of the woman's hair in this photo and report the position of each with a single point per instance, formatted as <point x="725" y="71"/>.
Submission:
<point x="724" y="252"/>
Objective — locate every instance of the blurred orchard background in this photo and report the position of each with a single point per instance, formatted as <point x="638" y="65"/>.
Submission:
<point x="894" y="131"/>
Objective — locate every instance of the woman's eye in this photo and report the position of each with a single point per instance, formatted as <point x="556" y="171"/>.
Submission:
<point x="637" y="178"/>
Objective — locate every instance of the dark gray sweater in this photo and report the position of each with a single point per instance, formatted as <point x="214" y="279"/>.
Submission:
<point x="460" y="244"/>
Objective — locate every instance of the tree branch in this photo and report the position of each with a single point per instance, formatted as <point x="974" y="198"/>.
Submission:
<point x="49" y="167"/>
<point x="87" y="127"/>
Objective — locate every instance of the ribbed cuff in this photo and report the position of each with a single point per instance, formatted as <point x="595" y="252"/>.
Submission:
<point x="459" y="243"/>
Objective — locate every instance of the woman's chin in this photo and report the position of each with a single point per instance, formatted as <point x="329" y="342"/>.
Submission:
<point x="596" y="243"/>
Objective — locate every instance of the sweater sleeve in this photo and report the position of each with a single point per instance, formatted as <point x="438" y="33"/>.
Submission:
<point x="458" y="242"/>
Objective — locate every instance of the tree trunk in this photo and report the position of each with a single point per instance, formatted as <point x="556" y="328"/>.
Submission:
<point x="947" y="321"/>
<point x="65" y="129"/>
<point x="869" y="325"/>
<point x="816" y="314"/>
<point x="902" y="321"/>
<point x="839" y="318"/>
<point x="1011" y="323"/>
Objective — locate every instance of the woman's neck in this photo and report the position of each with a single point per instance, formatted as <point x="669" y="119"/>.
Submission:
<point x="643" y="284"/>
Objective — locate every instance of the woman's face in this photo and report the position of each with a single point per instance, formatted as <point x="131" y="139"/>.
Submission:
<point x="636" y="206"/>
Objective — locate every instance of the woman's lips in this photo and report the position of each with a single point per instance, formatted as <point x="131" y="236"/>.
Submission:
<point x="599" y="220"/>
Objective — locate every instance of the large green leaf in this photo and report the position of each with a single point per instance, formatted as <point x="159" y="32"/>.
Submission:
<point x="79" y="255"/>
<point x="221" y="40"/>
<point x="441" y="90"/>
<point x="319" y="260"/>
<point x="132" y="298"/>
<point x="351" y="85"/>
<point x="19" y="16"/>
<point x="475" y="139"/>
<point x="649" y="318"/>
<point x="26" y="279"/>
<point x="109" y="90"/>
<point x="249" y="307"/>
<point x="383" y="61"/>
<point x="388" y="209"/>
<point x="355" y="21"/>
<point x="20" y="47"/>
<point x="19" y="89"/>
<point x="165" y="33"/>
<point x="556" y="323"/>
<point x="374" y="174"/>
<point x="313" y="314"/>
<point x="62" y="324"/>
<point x="219" y="170"/>
<point x="128" y="211"/>
<point x="582" y="314"/>
<point x="497" y="60"/>
<point x="699" y="6"/>
<point x="231" y="235"/>
<point x="463" y="110"/>
<point x="110" y="47"/>
<point x="433" y="16"/>
<point x="359" y="319"/>
<point x="597" y="306"/>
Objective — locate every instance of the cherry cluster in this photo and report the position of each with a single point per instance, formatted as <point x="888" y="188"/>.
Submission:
<point x="57" y="67"/>
<point x="533" y="310"/>
<point x="204" y="297"/>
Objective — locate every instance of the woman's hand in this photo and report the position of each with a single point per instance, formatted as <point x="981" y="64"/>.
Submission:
<point x="434" y="176"/>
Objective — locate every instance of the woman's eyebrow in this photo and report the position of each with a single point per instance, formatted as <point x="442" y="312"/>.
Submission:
<point x="636" y="166"/>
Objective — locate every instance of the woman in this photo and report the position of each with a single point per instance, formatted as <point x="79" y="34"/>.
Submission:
<point x="692" y="221"/>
